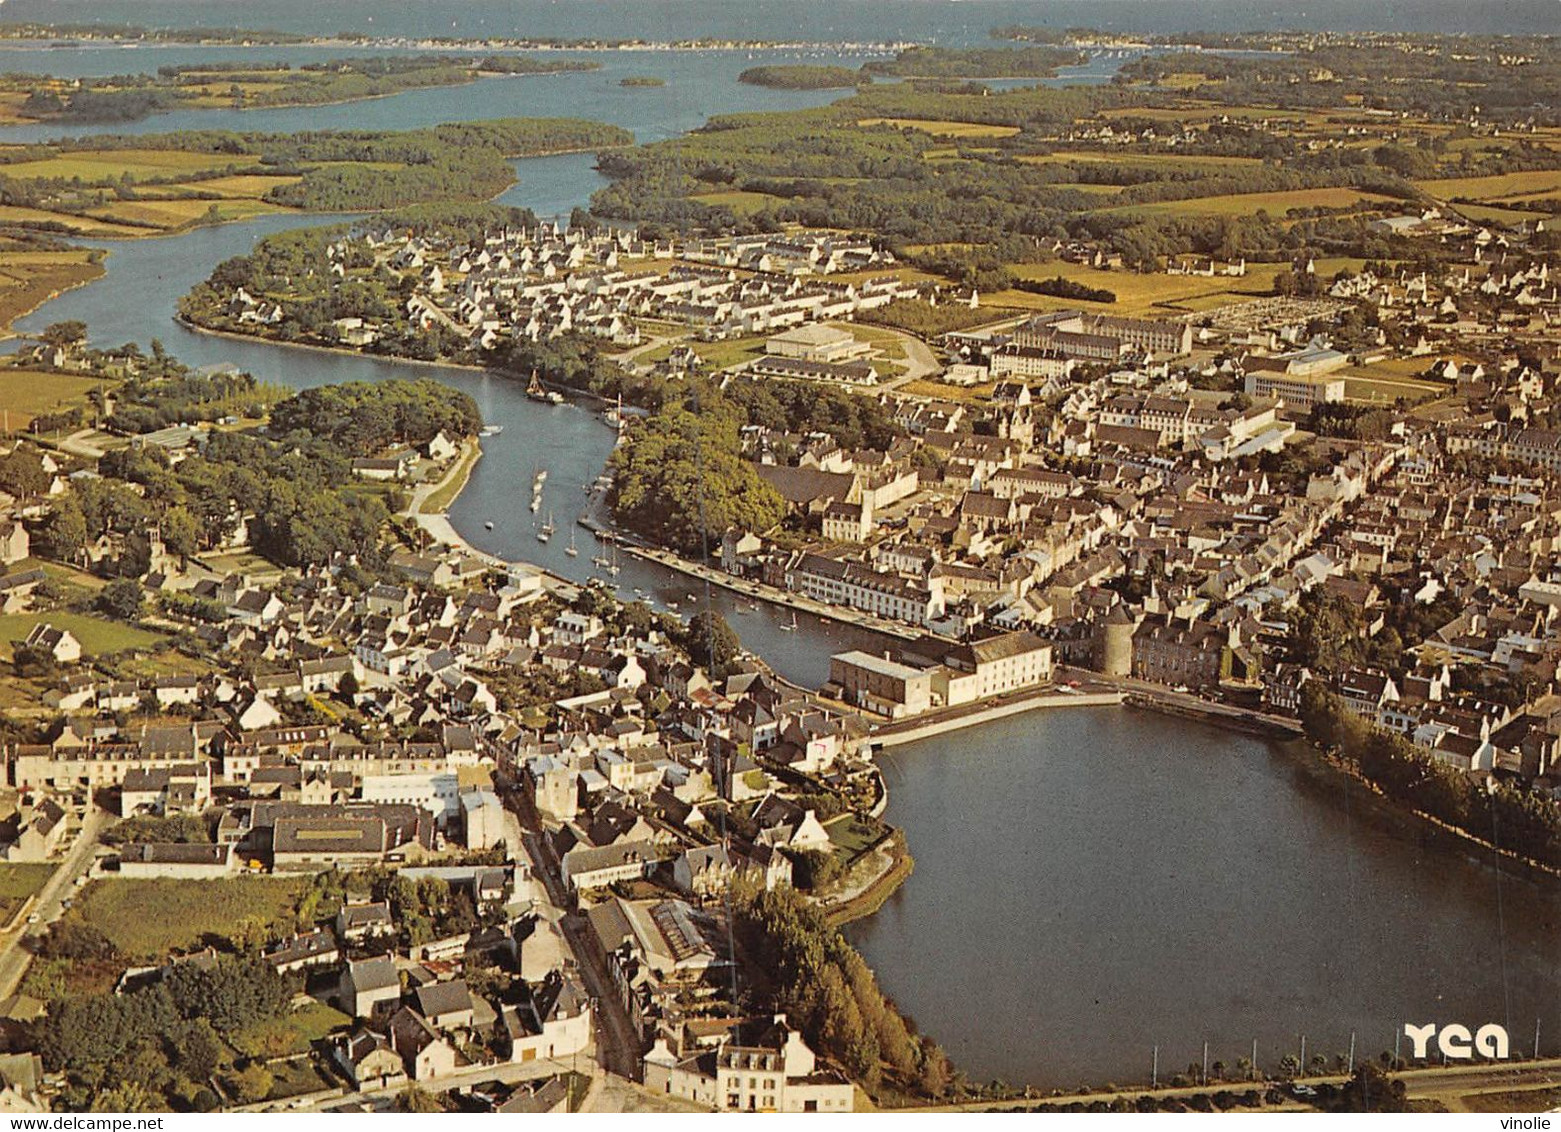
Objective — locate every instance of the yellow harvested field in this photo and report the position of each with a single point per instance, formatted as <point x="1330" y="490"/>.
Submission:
<point x="1533" y="182"/>
<point x="112" y="164"/>
<point x="1249" y="204"/>
<point x="26" y="394"/>
<point x="81" y="225"/>
<point x="944" y="129"/>
<point x="243" y="185"/>
<point x="168" y="214"/>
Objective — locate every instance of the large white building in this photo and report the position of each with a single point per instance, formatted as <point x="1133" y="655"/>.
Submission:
<point x="761" y="1065"/>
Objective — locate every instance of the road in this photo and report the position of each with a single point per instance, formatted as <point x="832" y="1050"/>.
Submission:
<point x="920" y="361"/>
<point x="1437" y="1082"/>
<point x="617" y="1043"/>
<point x="14" y="957"/>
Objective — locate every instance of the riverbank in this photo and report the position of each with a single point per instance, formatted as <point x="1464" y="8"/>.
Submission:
<point x="69" y="274"/>
<point x="771" y="594"/>
<point x="437" y="497"/>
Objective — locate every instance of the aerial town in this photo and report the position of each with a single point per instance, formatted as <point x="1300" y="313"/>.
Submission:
<point x="336" y="779"/>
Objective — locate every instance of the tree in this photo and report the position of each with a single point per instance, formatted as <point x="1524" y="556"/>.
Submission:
<point x="251" y="1084"/>
<point x="22" y="474"/>
<point x="1370" y="1089"/>
<point x="64" y="536"/>
<point x="121" y="599"/>
<point x="64" y="335"/>
<point x="712" y="643"/>
<point x="197" y="1051"/>
<point x="31" y="660"/>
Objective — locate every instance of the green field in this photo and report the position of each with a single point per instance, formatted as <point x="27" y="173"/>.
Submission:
<point x="97" y="635"/>
<point x="113" y="164"/>
<point x="26" y="394"/>
<point x="147" y="919"/>
<point x="1249" y="204"/>
<point x="942" y="129"/>
<point x="17" y="883"/>
<point x="739" y="200"/>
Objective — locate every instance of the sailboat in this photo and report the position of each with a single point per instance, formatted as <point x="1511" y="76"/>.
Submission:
<point x="545" y="531"/>
<point x="614" y="567"/>
<point x="791" y="628"/>
<point x="570" y="549"/>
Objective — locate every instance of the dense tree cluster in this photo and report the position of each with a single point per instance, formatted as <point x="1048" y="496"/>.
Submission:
<point x="366" y="417"/>
<point x="802" y="76"/>
<point x="1511" y="817"/>
<point x="827" y="989"/>
<point x="682" y="480"/>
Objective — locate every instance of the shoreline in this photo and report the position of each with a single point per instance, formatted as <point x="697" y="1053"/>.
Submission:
<point x="8" y="330"/>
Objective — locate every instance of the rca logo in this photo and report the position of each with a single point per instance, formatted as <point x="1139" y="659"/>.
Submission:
<point x="1456" y="1043"/>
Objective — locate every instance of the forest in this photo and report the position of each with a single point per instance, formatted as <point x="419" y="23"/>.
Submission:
<point x="802" y="76"/>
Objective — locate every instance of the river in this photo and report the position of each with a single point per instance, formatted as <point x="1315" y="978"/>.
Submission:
<point x="1090" y="883"/>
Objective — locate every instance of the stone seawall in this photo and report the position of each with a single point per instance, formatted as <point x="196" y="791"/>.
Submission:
<point x="911" y="730"/>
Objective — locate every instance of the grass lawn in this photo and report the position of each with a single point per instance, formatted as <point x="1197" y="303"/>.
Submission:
<point x="293" y="1034"/>
<point x="164" y="662"/>
<point x="1386" y="390"/>
<point x="941" y="391"/>
<point x="241" y="562"/>
<point x="17" y="883"/>
<point x="296" y="1077"/>
<point x="149" y="918"/>
<point x="852" y="837"/>
<point x="440" y="499"/>
<point x="716" y="355"/>
<point x="97" y="635"/>
<point x="26" y="394"/>
<point x="943" y="129"/>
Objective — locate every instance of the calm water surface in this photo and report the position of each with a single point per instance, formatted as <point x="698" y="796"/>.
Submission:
<point x="1089" y="883"/>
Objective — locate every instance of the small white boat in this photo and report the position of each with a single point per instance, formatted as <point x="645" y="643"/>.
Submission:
<point x="492" y="430"/>
<point x="571" y="550"/>
<point x="487" y="526"/>
<point x="791" y="628"/>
